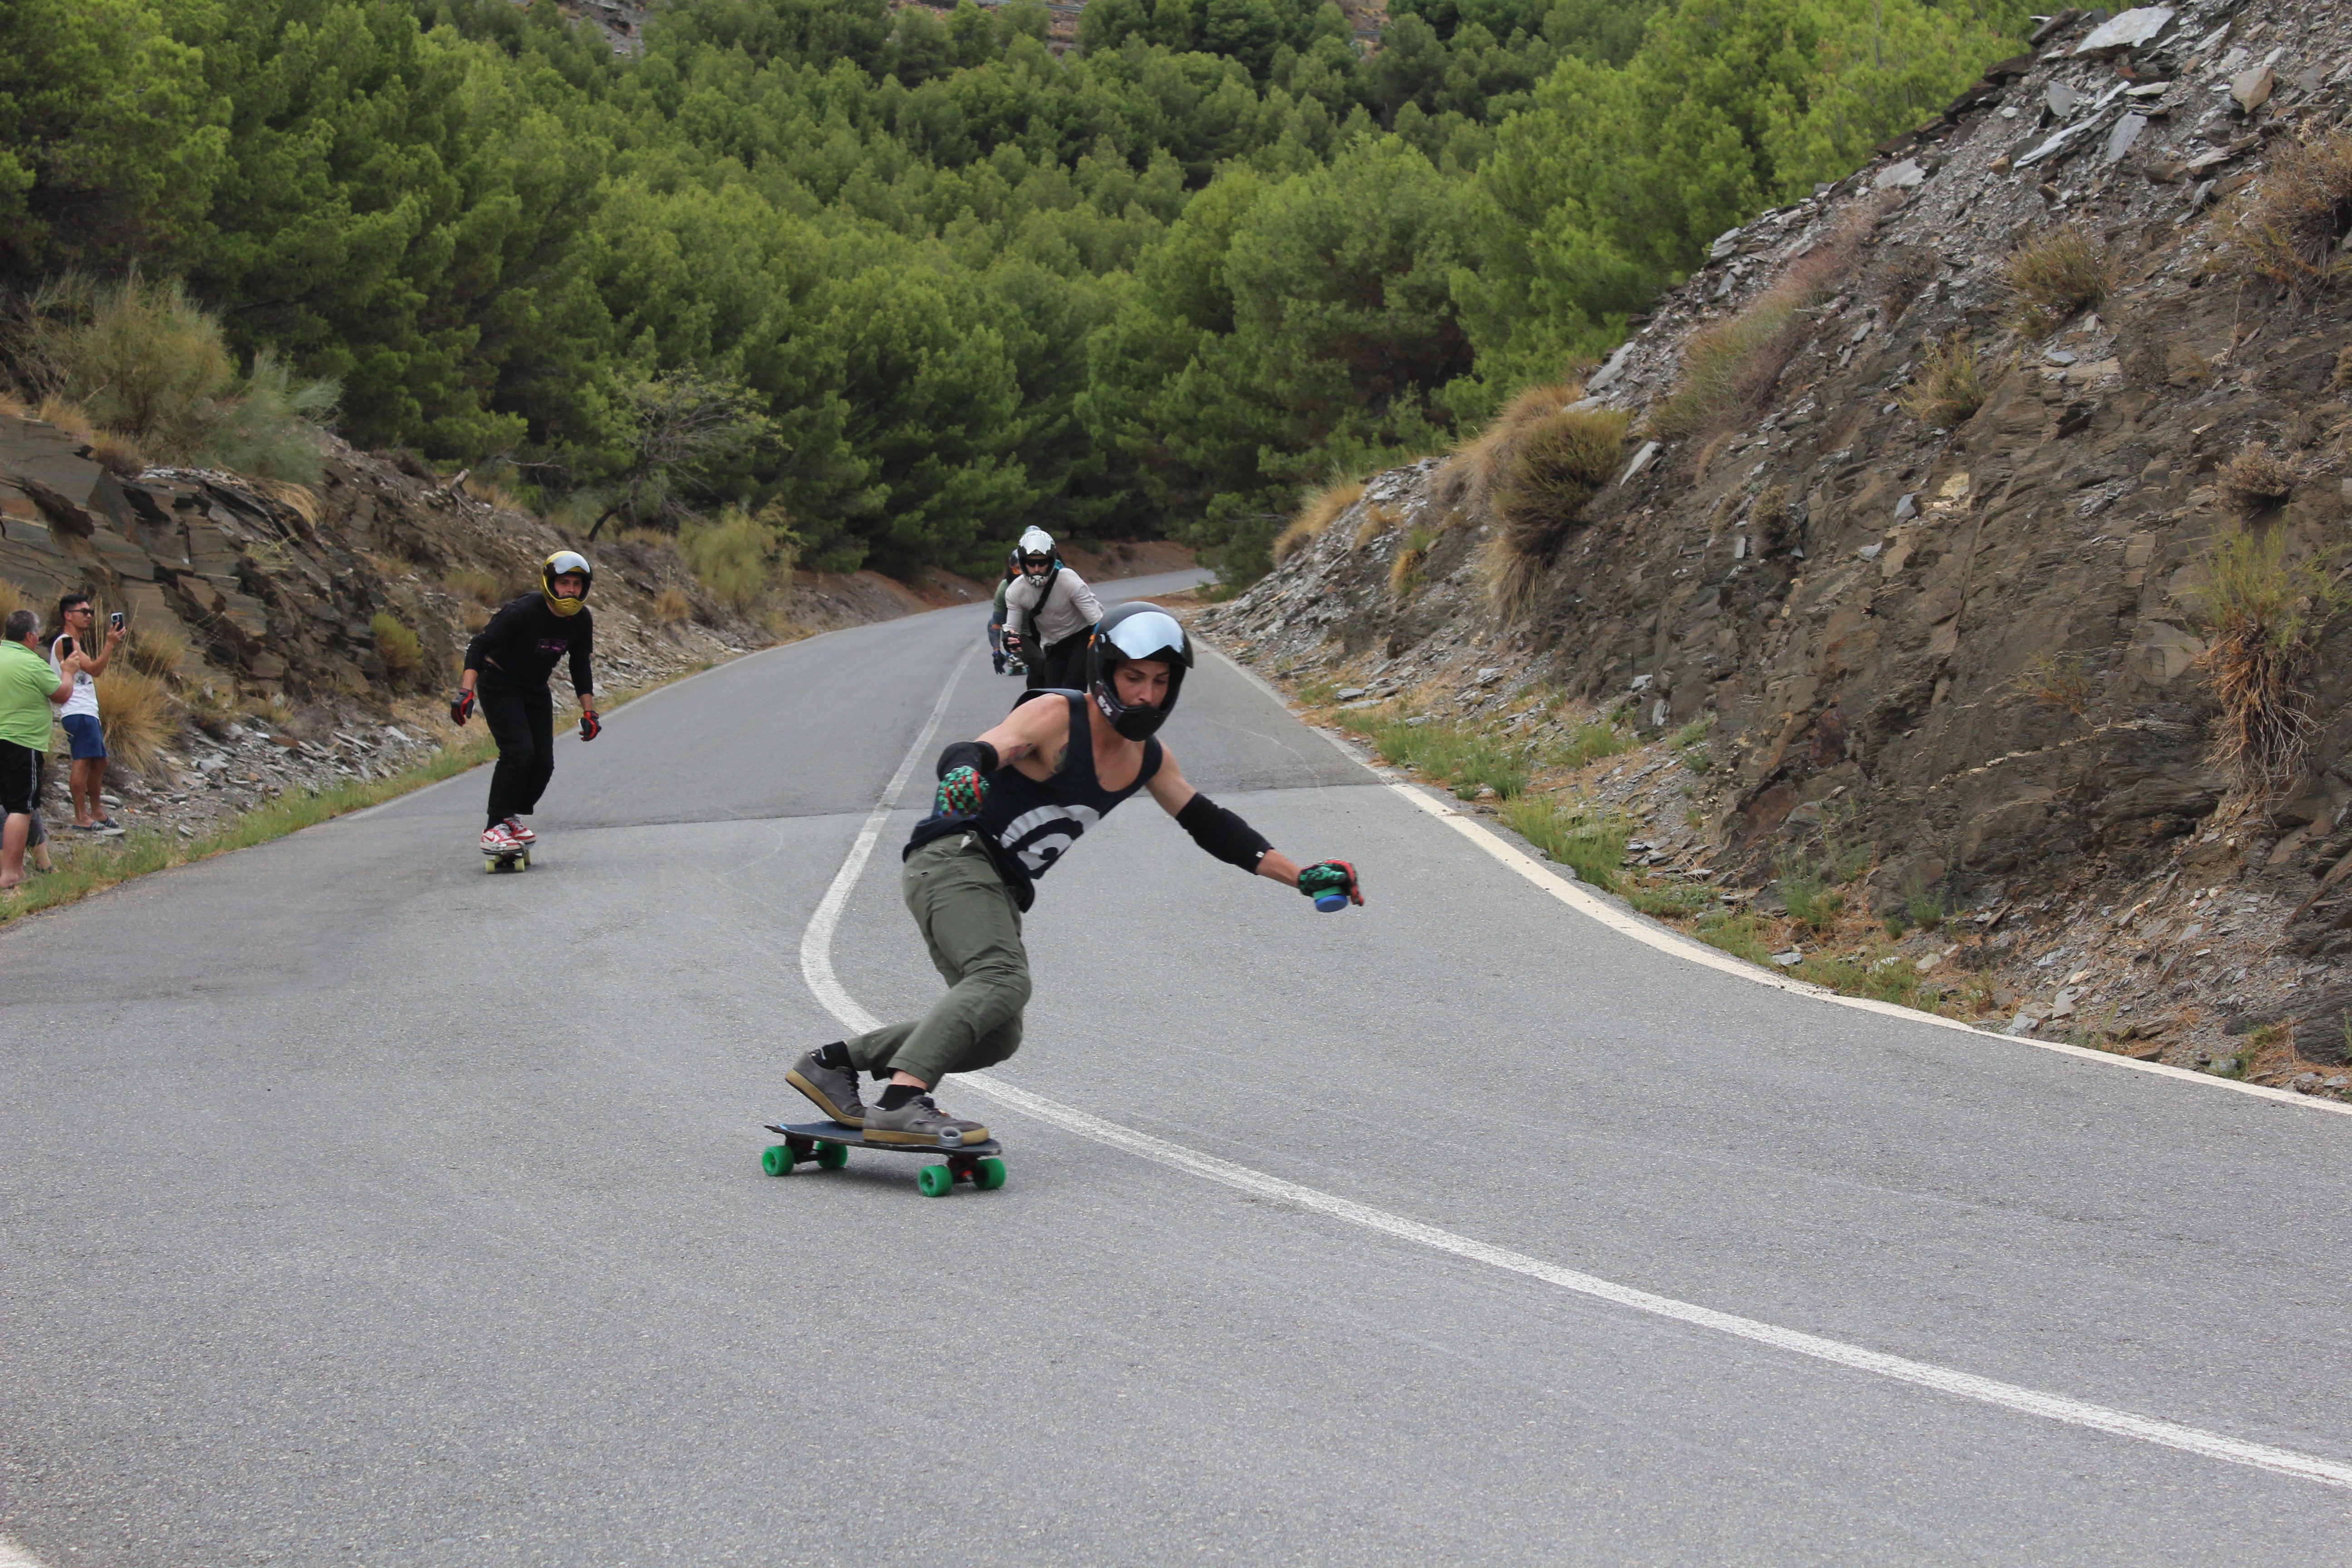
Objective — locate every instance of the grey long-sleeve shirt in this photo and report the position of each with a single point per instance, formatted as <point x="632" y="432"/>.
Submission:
<point x="1070" y="607"/>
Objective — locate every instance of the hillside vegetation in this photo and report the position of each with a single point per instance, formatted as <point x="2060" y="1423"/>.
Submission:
<point x="897" y="283"/>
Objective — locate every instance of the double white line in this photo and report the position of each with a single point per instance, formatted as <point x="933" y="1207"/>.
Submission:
<point x="817" y="967"/>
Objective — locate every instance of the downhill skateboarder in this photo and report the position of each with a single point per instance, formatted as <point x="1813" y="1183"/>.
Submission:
<point x="507" y="667"/>
<point x="1047" y="614"/>
<point x="1009" y="805"/>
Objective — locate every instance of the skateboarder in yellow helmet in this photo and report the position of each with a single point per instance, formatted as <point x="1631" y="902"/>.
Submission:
<point x="507" y="667"/>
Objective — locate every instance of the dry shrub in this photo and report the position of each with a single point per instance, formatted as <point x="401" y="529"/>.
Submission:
<point x="1404" y="571"/>
<point x="69" y="416"/>
<point x="1557" y="466"/>
<point x="671" y="605"/>
<point x="119" y="453"/>
<point x="136" y="715"/>
<point x="473" y="582"/>
<point x="396" y="646"/>
<point x="1768" y="518"/>
<point x="1316" y="512"/>
<point x="1378" y="521"/>
<point x="2258" y="479"/>
<point x="2260" y="609"/>
<point x="1907" y="278"/>
<point x="2291" y="233"/>
<point x="2341" y="380"/>
<point x="2061" y="681"/>
<point x="1953" y="380"/>
<point x="13" y="406"/>
<point x="13" y="599"/>
<point x="2052" y="279"/>
<point x="1730" y="368"/>
<point x="155" y="650"/>
<point x="1468" y="482"/>
<point x="741" y="556"/>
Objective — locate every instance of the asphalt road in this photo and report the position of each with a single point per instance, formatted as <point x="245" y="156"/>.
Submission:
<point x="356" y="1208"/>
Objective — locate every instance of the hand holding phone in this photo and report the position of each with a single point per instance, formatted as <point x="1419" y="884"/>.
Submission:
<point x="114" y="621"/>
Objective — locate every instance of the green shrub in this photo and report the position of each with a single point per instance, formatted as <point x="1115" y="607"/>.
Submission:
<point x="1740" y="934"/>
<point x="1589" y="843"/>
<point x="1590" y="742"/>
<point x="739" y="557"/>
<point x="396" y="646"/>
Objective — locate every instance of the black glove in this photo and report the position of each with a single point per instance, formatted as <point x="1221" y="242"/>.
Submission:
<point x="461" y="707"/>
<point x="591" y="726"/>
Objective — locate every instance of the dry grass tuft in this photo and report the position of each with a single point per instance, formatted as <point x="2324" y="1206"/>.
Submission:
<point x="13" y="599"/>
<point x="137" y="716"/>
<point x="2291" y="233"/>
<point x="473" y="582"/>
<point x="1730" y="368"/>
<point x="1953" y="382"/>
<point x="155" y="650"/>
<point x="118" y="453"/>
<point x="2059" y="681"/>
<point x="300" y="500"/>
<point x="1557" y="466"/>
<point x="1470" y="477"/>
<point x="396" y="646"/>
<point x="2261" y="609"/>
<point x="66" y="415"/>
<point x="671" y="605"/>
<point x="1377" y="521"/>
<point x="13" y="405"/>
<point x="1404" y="571"/>
<point x="2258" y="479"/>
<point x="2056" y="277"/>
<point x="1316" y="512"/>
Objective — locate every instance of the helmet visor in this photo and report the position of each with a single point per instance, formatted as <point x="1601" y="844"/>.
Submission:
<point x="1152" y="634"/>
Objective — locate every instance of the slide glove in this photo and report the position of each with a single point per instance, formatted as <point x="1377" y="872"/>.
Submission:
<point x="461" y="707"/>
<point x="591" y="726"/>
<point x="1331" y="884"/>
<point x="961" y="792"/>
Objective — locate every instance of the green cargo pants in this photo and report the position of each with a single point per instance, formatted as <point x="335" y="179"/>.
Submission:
<point x="973" y="926"/>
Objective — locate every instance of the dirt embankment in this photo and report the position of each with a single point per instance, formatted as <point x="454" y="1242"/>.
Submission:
<point x="1981" y="642"/>
<point x="293" y="636"/>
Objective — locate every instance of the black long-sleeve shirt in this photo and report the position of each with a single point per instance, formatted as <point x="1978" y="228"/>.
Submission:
<point x="525" y="640"/>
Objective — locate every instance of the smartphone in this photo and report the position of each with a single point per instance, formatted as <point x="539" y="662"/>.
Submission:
<point x="115" y="620"/>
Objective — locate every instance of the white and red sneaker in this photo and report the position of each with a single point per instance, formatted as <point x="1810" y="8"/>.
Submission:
<point x="518" y="832"/>
<point x="497" y="839"/>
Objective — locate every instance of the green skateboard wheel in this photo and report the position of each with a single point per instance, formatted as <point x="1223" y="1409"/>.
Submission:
<point x="777" y="1161"/>
<point x="937" y="1181"/>
<point x="989" y="1174"/>
<point x="832" y="1157"/>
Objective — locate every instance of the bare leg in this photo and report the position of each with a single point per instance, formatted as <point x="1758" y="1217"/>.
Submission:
<point x="83" y="784"/>
<point x="12" y="848"/>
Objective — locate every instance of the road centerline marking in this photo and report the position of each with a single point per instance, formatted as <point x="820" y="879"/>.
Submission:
<point x="816" y="968"/>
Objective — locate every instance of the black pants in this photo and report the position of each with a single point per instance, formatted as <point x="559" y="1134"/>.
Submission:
<point x="1058" y="664"/>
<point x="522" y="720"/>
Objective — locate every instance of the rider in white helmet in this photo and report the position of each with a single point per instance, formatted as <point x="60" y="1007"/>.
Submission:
<point x="1047" y="614"/>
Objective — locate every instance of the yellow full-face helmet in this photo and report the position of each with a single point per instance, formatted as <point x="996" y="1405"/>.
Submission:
<point x="565" y="564"/>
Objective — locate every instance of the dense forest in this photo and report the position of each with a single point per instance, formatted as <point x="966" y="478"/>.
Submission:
<point x="908" y="279"/>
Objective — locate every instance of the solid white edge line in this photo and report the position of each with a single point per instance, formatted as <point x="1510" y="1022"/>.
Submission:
<point x="1577" y="896"/>
<point x="817" y="967"/>
<point x="14" y="1556"/>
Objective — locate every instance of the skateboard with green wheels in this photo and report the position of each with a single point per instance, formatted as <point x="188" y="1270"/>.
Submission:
<point x="826" y="1145"/>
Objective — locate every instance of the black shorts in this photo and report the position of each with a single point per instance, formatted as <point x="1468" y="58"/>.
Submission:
<point x="20" y="779"/>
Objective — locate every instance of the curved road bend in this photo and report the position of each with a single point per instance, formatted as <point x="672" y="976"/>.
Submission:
<point x="359" y="1208"/>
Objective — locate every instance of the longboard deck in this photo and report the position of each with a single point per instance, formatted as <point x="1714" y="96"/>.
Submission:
<point x="850" y="1137"/>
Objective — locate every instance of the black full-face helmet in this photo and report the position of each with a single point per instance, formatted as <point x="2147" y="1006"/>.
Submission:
<point x="1138" y="631"/>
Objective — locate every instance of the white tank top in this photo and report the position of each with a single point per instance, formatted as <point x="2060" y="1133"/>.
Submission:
<point x="83" y="699"/>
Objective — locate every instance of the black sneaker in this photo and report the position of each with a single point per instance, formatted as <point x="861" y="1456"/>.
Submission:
<point x="923" y="1124"/>
<point x="834" y="1090"/>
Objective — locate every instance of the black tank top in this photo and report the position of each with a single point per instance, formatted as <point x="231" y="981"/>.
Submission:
<point x="1028" y="824"/>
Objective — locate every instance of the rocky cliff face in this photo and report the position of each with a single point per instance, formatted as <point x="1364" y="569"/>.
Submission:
<point x="270" y="594"/>
<point x="1980" y="646"/>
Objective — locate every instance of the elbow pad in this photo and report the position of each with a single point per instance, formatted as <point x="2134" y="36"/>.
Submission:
<point x="977" y="755"/>
<point x="1222" y="834"/>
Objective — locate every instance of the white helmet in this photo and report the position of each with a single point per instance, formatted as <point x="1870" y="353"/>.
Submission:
<point x="1036" y="543"/>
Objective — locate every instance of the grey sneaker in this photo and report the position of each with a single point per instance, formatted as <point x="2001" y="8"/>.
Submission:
<point x="923" y="1124"/>
<point x="834" y="1090"/>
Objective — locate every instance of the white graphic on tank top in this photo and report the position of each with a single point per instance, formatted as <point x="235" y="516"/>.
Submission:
<point x="1040" y="837"/>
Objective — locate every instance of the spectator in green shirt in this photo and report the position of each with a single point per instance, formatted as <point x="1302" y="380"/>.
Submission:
<point x="28" y="686"/>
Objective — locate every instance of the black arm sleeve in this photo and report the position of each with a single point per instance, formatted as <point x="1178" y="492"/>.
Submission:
<point x="1222" y="834"/>
<point x="495" y="636"/>
<point x="977" y="754"/>
<point x="584" y="641"/>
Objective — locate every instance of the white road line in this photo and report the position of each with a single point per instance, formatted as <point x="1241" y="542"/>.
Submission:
<point x="1585" y="901"/>
<point x="817" y="966"/>
<point x="816" y="942"/>
<point x="14" y="1556"/>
